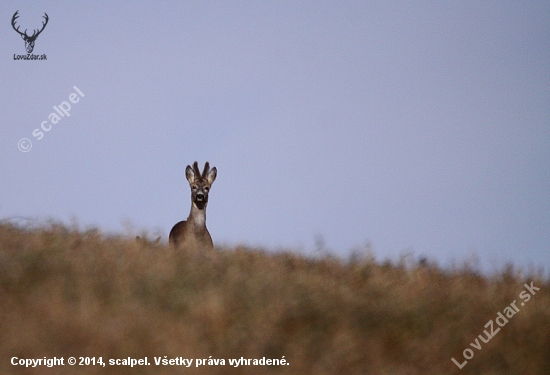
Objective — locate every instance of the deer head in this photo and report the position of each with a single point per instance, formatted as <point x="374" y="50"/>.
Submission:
<point x="29" y="40"/>
<point x="200" y="183"/>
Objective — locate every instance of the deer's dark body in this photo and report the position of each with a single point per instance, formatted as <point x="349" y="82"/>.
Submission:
<point x="182" y="233"/>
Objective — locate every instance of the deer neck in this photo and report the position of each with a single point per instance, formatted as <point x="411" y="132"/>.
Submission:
<point x="197" y="217"/>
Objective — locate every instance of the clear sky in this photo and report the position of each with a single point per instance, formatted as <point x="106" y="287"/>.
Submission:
<point x="420" y="127"/>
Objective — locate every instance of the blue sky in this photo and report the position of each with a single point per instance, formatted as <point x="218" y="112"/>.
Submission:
<point x="419" y="127"/>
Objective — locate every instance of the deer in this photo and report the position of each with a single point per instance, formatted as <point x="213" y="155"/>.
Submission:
<point x="29" y="40"/>
<point x="193" y="232"/>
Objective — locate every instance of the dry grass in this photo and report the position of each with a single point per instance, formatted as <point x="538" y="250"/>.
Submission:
<point x="64" y="292"/>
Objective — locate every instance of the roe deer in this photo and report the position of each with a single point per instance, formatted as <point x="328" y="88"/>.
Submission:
<point x="193" y="232"/>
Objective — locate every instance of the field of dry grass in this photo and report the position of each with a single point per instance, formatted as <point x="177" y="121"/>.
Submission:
<point x="68" y="292"/>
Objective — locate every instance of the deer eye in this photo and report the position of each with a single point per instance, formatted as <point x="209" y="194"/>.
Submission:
<point x="206" y="188"/>
<point x="194" y="187"/>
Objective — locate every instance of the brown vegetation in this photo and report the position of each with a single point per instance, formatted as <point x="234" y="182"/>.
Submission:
<point x="65" y="292"/>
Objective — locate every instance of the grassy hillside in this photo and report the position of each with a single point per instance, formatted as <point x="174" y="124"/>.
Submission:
<point x="65" y="292"/>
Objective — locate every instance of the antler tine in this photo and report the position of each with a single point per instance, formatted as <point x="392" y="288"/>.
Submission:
<point x="206" y="169"/>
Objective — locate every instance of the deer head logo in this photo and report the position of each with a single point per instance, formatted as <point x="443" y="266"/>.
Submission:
<point x="29" y="40"/>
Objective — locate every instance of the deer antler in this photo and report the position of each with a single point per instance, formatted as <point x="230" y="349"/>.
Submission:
<point x="35" y="34"/>
<point x="205" y="170"/>
<point x="196" y="170"/>
<point x="16" y="16"/>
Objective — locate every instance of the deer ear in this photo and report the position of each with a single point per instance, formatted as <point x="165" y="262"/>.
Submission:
<point x="211" y="176"/>
<point x="189" y="174"/>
